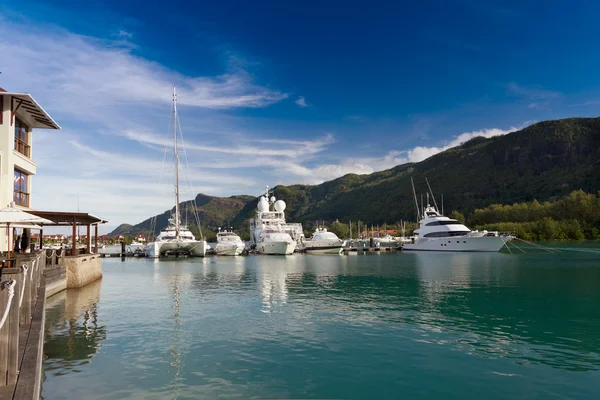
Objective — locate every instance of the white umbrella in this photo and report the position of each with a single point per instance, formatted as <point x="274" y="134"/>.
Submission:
<point x="15" y="217"/>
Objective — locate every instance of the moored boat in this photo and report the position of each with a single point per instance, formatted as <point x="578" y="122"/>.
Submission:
<point x="268" y="230"/>
<point x="176" y="239"/>
<point x="324" y="242"/>
<point x="228" y="243"/>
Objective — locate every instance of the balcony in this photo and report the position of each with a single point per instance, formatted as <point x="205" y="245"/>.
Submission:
<point x="22" y="147"/>
<point x="21" y="198"/>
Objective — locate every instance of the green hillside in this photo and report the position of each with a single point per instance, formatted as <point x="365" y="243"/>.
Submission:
<point x="544" y="161"/>
<point x="214" y="212"/>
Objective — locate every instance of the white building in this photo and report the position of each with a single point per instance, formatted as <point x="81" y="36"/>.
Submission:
<point x="19" y="114"/>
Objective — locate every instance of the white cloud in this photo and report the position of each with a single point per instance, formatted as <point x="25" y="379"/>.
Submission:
<point x="301" y="101"/>
<point x="88" y="75"/>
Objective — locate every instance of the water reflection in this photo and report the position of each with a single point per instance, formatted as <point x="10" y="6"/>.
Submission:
<point x="73" y="334"/>
<point x="360" y="326"/>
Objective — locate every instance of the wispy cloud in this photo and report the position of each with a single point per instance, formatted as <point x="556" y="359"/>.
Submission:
<point x="301" y="101"/>
<point x="87" y="74"/>
<point x="124" y="34"/>
<point x="531" y="92"/>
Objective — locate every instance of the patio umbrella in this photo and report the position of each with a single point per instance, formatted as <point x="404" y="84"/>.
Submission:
<point x="15" y="217"/>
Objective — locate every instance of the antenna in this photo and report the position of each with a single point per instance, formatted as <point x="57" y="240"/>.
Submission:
<point x="431" y="191"/>
<point x="442" y="203"/>
<point x="415" y="196"/>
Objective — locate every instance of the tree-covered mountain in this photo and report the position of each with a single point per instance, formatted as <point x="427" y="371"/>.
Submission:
<point x="544" y="161"/>
<point x="213" y="212"/>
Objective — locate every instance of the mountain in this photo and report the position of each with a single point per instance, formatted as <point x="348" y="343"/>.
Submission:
<point x="214" y="212"/>
<point x="544" y="161"/>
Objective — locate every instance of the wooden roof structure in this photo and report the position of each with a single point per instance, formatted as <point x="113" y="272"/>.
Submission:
<point x="61" y="218"/>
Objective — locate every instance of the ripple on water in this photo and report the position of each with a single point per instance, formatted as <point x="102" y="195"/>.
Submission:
<point x="373" y="326"/>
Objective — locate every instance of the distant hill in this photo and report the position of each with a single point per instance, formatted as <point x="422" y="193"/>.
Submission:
<point x="544" y="161"/>
<point x="214" y="212"/>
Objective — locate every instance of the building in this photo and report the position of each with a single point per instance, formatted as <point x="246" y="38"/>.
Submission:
<point x="140" y="238"/>
<point x="19" y="115"/>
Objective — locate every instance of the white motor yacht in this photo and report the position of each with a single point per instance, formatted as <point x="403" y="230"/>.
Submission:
<point x="323" y="242"/>
<point x="228" y="244"/>
<point x="439" y="233"/>
<point x="176" y="239"/>
<point x="269" y="231"/>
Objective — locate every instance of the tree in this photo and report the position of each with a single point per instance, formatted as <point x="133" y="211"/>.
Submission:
<point x="340" y="229"/>
<point x="457" y="215"/>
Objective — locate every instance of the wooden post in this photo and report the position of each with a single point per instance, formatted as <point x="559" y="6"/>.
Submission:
<point x="96" y="238"/>
<point x="41" y="238"/>
<point x="87" y="239"/>
<point x="74" y="239"/>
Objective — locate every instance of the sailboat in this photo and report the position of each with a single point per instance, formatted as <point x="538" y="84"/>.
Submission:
<point x="176" y="239"/>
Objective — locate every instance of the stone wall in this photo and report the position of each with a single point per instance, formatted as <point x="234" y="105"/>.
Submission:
<point x="56" y="279"/>
<point x="82" y="269"/>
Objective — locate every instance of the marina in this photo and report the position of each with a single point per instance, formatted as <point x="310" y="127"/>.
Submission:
<point x="292" y="245"/>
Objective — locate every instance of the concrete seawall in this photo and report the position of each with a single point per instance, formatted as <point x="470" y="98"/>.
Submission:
<point x="83" y="269"/>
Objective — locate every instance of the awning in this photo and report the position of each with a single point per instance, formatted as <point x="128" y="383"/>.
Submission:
<point x="60" y="218"/>
<point x="25" y="103"/>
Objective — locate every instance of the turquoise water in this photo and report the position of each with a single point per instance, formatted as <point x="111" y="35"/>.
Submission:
<point x="413" y="325"/>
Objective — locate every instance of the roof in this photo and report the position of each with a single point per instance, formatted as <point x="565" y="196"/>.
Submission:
<point x="67" y="218"/>
<point x="38" y="115"/>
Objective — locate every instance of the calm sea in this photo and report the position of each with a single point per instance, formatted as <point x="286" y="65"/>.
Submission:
<point x="374" y="326"/>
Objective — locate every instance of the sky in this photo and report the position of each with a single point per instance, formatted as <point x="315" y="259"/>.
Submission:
<point x="273" y="92"/>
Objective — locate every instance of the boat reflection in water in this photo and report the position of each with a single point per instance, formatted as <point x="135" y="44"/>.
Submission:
<point x="73" y="335"/>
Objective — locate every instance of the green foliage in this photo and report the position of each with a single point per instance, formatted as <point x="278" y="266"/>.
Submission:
<point x="457" y="215"/>
<point x="573" y="217"/>
<point x="340" y="229"/>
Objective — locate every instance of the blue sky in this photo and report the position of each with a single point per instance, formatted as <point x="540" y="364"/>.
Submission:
<point x="281" y="92"/>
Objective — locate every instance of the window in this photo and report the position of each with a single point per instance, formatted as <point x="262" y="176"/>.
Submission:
<point x="446" y="234"/>
<point x="21" y="144"/>
<point x="446" y="222"/>
<point x="20" y="194"/>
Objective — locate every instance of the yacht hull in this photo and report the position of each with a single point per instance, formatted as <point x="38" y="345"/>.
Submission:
<point x="230" y="249"/>
<point x="312" y="249"/>
<point x="276" y="248"/>
<point x="485" y="243"/>
<point x="323" y="246"/>
<point x="195" y="248"/>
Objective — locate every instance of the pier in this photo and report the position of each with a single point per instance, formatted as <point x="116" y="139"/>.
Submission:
<point x="22" y="305"/>
<point x="24" y="287"/>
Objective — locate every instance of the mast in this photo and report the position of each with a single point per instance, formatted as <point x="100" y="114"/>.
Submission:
<point x="416" y="202"/>
<point x="176" y="154"/>
<point x="431" y="191"/>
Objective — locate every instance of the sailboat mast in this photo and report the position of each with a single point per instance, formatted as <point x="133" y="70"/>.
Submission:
<point x="176" y="154"/>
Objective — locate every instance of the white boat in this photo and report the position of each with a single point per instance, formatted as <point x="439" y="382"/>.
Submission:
<point x="269" y="231"/>
<point x="439" y="233"/>
<point x="385" y="241"/>
<point x="176" y="239"/>
<point x="228" y="244"/>
<point x="323" y="242"/>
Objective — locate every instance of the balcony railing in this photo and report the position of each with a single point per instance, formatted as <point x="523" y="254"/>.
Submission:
<point x="22" y="147"/>
<point x="21" y="198"/>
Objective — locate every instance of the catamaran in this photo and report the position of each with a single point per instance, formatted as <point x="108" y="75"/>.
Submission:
<point x="176" y="239"/>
